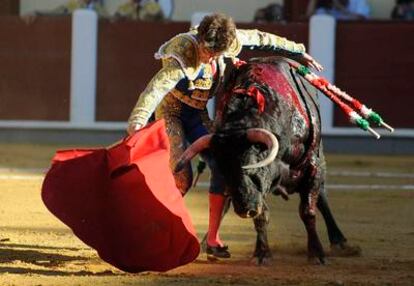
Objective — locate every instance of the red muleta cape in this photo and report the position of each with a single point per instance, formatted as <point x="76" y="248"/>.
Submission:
<point x="123" y="202"/>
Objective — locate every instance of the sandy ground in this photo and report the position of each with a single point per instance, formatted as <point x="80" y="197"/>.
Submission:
<point x="37" y="249"/>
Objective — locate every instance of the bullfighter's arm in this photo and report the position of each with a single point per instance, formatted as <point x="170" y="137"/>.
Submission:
<point x="255" y="39"/>
<point x="164" y="81"/>
<point x="258" y="40"/>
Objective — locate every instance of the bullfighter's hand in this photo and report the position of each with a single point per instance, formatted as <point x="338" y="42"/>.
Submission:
<point x="132" y="128"/>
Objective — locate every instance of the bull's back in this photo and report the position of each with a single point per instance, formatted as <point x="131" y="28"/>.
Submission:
<point x="295" y="106"/>
<point x="290" y="108"/>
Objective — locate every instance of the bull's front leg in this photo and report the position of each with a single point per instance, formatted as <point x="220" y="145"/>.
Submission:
<point x="262" y="253"/>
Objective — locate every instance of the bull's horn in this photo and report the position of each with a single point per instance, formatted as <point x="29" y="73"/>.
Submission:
<point x="263" y="136"/>
<point x="199" y="145"/>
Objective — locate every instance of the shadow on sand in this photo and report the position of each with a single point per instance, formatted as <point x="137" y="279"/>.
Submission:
<point x="11" y="252"/>
<point x="20" y="270"/>
<point x="29" y="246"/>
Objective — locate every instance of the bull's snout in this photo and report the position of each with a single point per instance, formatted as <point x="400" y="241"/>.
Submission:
<point x="252" y="213"/>
<point x="247" y="202"/>
<point x="248" y="212"/>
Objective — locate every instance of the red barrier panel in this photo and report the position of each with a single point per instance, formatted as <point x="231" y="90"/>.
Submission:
<point x="373" y="63"/>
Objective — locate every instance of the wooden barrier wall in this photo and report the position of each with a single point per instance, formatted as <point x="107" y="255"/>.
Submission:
<point x="126" y="60"/>
<point x="373" y="63"/>
<point x="34" y="68"/>
<point x="9" y="7"/>
<point x="126" y="63"/>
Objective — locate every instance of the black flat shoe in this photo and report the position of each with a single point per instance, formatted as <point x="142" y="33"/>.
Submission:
<point x="216" y="252"/>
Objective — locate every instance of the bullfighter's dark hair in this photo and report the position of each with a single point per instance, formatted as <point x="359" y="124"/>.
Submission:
<point x="217" y="31"/>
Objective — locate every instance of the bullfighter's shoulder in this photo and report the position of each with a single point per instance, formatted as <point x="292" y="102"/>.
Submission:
<point x="184" y="49"/>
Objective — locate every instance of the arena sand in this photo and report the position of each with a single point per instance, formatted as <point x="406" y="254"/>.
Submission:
<point x="37" y="249"/>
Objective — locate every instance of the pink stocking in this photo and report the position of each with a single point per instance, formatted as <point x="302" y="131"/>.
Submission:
<point x="216" y="203"/>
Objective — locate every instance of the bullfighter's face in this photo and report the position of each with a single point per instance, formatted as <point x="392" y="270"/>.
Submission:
<point x="207" y="56"/>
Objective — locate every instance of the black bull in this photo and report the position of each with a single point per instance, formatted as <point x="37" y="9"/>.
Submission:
<point x="268" y="140"/>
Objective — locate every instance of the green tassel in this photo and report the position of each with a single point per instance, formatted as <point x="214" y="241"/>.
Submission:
<point x="375" y="118"/>
<point x="302" y="70"/>
<point x="201" y="166"/>
<point x="362" y="123"/>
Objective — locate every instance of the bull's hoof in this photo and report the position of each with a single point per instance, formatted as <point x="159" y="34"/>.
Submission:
<point x="262" y="261"/>
<point x="262" y="257"/>
<point x="317" y="260"/>
<point x="217" y="252"/>
<point x="343" y="249"/>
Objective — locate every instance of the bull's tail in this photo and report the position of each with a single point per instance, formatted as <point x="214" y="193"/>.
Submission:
<point x="352" y="107"/>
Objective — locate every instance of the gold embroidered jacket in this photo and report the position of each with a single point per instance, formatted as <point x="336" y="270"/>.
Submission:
<point x="181" y="61"/>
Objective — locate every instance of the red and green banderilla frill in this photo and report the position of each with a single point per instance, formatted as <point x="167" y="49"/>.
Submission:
<point x="352" y="107"/>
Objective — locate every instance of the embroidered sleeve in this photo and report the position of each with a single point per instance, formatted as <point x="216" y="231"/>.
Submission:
<point x="258" y="40"/>
<point x="164" y="81"/>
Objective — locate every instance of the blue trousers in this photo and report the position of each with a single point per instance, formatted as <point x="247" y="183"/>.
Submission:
<point x="185" y="125"/>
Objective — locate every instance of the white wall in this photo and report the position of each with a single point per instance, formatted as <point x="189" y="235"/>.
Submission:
<point x="27" y="6"/>
<point x="381" y="9"/>
<point x="240" y="10"/>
